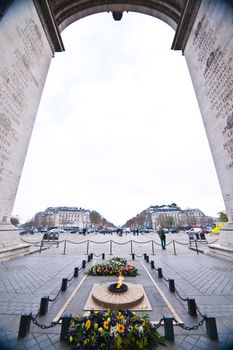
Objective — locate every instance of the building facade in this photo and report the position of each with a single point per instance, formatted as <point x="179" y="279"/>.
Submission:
<point x="180" y="218"/>
<point x="63" y="217"/>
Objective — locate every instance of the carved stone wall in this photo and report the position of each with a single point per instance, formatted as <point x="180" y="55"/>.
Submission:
<point x="209" y="55"/>
<point x="24" y="63"/>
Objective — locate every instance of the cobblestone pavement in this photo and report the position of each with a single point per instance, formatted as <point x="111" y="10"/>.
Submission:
<point x="208" y="280"/>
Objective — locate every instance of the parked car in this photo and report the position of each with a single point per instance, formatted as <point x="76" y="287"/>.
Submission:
<point x="51" y="236"/>
<point x="26" y="231"/>
<point x="194" y="230"/>
<point x="173" y="230"/>
<point x="205" y="230"/>
<point x="195" y="233"/>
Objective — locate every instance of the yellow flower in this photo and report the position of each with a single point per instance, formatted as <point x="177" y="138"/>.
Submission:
<point x="88" y="324"/>
<point x="100" y="330"/>
<point x="86" y="341"/>
<point x="120" y="328"/>
<point x="70" y="338"/>
<point x="106" y="324"/>
<point x="122" y="317"/>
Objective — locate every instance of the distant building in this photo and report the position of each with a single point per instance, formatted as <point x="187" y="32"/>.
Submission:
<point x="63" y="217"/>
<point x="181" y="218"/>
<point x="159" y="215"/>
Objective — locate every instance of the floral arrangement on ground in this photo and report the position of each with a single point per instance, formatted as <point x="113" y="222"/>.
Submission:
<point x="113" y="330"/>
<point x="113" y="267"/>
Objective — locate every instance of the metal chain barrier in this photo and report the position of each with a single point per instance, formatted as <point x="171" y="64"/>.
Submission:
<point x="213" y="241"/>
<point x="121" y="243"/>
<point x="157" y="243"/>
<point x="183" y="299"/>
<point x="43" y="326"/>
<point x="199" y="311"/>
<point x="181" y="243"/>
<point x="76" y="242"/>
<point x="139" y="256"/>
<point x="55" y="296"/>
<point x="68" y="280"/>
<point x="100" y="242"/>
<point x="187" y="328"/>
<point x="33" y="243"/>
<point x="156" y="326"/>
<point x="97" y="255"/>
<point x="164" y="278"/>
<point x="140" y="242"/>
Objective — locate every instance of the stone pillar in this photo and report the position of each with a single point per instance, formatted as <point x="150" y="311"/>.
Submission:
<point x="25" y="58"/>
<point x="209" y="56"/>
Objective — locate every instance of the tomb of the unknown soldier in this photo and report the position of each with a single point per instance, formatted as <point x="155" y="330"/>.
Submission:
<point x="187" y="293"/>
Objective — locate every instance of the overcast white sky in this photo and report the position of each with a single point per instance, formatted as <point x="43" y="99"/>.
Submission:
<point x="118" y="128"/>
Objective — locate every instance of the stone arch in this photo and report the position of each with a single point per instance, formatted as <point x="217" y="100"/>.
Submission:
<point x="30" y="34"/>
<point x="67" y="13"/>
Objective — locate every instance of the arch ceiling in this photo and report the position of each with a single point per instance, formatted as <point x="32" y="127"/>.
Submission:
<point x="56" y="15"/>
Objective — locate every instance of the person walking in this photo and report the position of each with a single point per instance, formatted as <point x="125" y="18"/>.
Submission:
<point x="162" y="236"/>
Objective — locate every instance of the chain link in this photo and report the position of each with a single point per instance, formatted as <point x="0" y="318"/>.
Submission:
<point x="43" y="326"/>
<point x="156" y="326"/>
<point x="96" y="255"/>
<point x="139" y="256"/>
<point x="184" y="299"/>
<point x="157" y="243"/>
<point x="76" y="242"/>
<point x="33" y="243"/>
<point x="199" y="311"/>
<point x="70" y="279"/>
<point x="56" y="296"/>
<point x="187" y="328"/>
<point x="181" y="243"/>
<point x="165" y="279"/>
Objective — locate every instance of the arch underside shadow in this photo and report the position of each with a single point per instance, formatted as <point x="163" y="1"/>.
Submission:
<point x="56" y="15"/>
<point x="67" y="12"/>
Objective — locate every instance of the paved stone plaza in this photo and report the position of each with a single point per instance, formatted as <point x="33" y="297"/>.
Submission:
<point x="208" y="280"/>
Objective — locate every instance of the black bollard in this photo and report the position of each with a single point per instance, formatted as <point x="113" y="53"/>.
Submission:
<point x="89" y="258"/>
<point x="160" y="272"/>
<point x="24" y="326"/>
<point x="152" y="264"/>
<point x="83" y="264"/>
<point x="133" y="256"/>
<point x="168" y="328"/>
<point x="192" y="307"/>
<point x="64" y="284"/>
<point x="103" y="256"/>
<point x="211" y="328"/>
<point x="147" y="258"/>
<point x="172" y="286"/>
<point x="145" y="255"/>
<point x="65" y="325"/>
<point x="76" y="270"/>
<point x="44" y="303"/>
